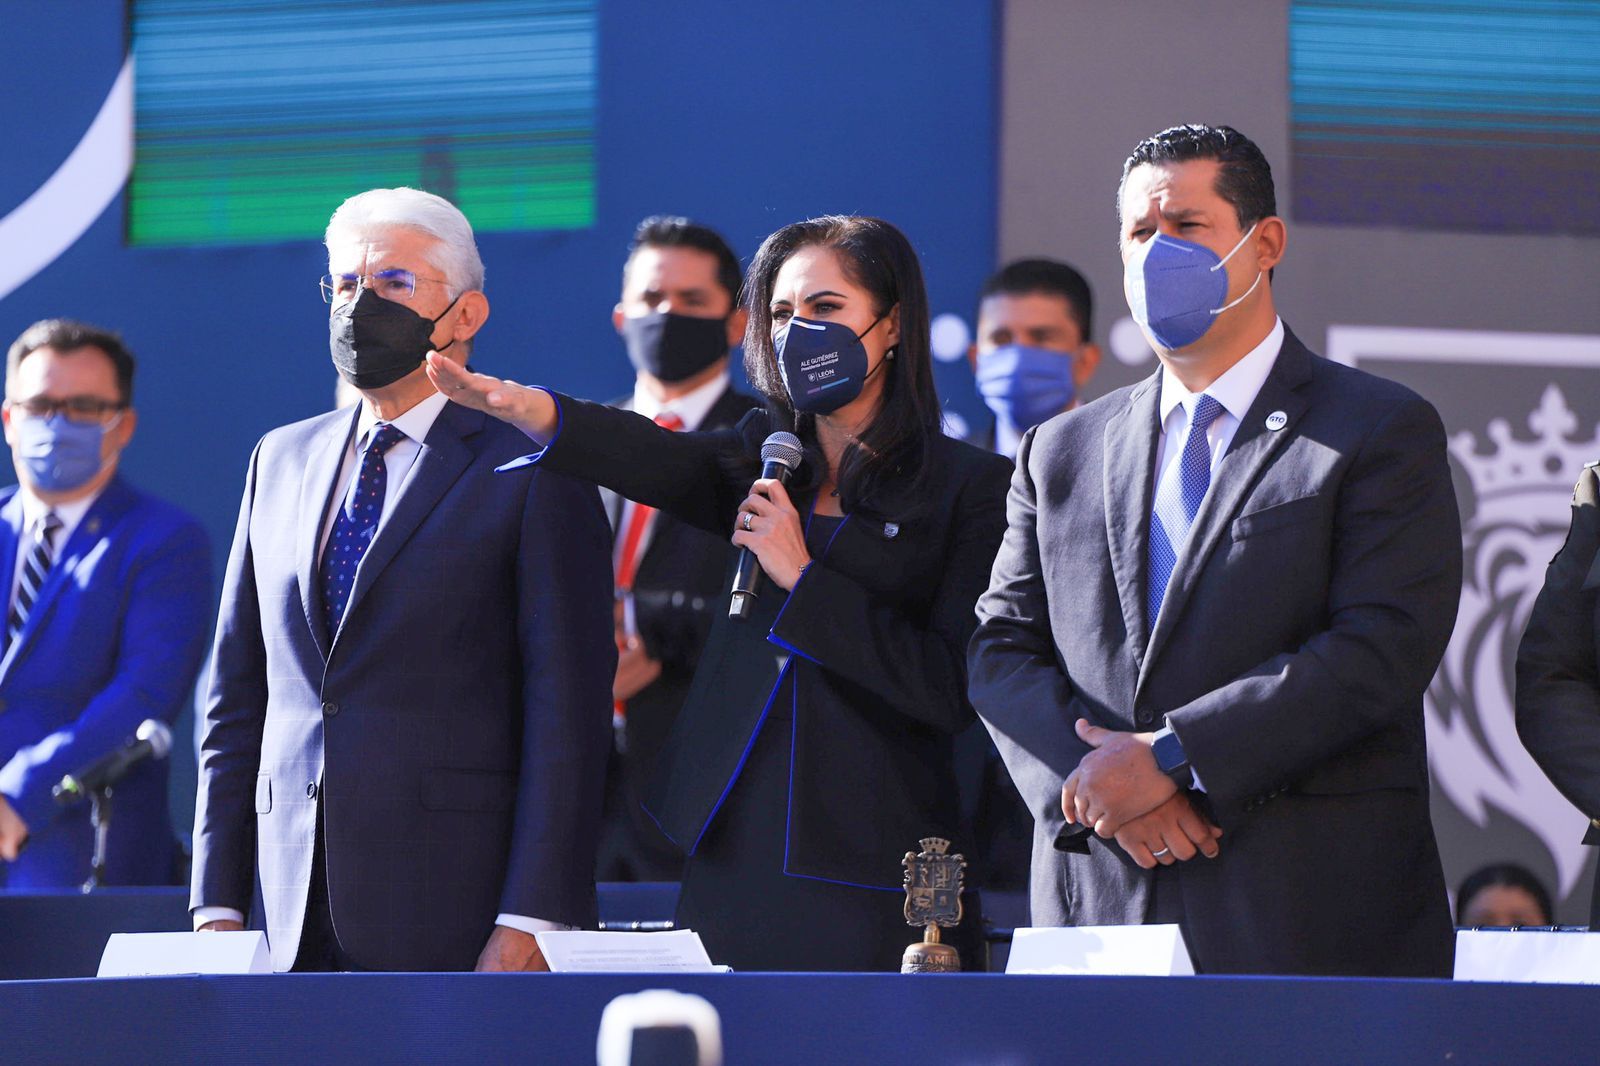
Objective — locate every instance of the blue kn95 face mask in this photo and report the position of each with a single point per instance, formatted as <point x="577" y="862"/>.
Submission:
<point x="1175" y="288"/>
<point x="824" y="364"/>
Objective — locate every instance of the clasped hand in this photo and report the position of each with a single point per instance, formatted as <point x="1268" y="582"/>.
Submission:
<point x="1120" y="791"/>
<point x="773" y="532"/>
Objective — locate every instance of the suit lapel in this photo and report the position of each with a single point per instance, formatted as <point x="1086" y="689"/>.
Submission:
<point x="443" y="458"/>
<point x="1130" y="457"/>
<point x="317" y="485"/>
<point x="104" y="513"/>
<point x="1249" y="453"/>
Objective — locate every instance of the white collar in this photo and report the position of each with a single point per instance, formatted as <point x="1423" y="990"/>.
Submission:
<point x="34" y="510"/>
<point x="415" y="423"/>
<point x="1237" y="388"/>
<point x="692" y="406"/>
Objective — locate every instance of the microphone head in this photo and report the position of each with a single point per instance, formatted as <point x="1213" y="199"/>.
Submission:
<point x="784" y="449"/>
<point x="157" y="735"/>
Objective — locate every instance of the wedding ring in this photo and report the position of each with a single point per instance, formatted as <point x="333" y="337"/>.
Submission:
<point x="1160" y="853"/>
<point x="749" y="516"/>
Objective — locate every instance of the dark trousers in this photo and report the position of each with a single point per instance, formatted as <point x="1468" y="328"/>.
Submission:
<point x="319" y="944"/>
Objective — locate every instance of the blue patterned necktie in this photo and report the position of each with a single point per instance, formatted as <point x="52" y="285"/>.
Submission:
<point x="355" y="525"/>
<point x="1177" y="500"/>
<point x="34" y="570"/>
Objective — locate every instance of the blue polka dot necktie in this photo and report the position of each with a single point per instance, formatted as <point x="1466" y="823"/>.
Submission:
<point x="1177" y="499"/>
<point x="355" y="525"/>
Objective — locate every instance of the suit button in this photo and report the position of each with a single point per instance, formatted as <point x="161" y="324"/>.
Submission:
<point x="311" y="790"/>
<point x="1146" y="718"/>
<point x="330" y="708"/>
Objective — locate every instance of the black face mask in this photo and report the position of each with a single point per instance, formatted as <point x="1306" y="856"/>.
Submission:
<point x="376" y="342"/>
<point x="673" y="347"/>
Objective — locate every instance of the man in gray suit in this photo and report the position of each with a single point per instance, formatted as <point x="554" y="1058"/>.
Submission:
<point x="406" y="730"/>
<point x="1220" y="598"/>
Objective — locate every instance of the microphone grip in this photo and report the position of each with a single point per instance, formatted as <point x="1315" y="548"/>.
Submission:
<point x="747" y="576"/>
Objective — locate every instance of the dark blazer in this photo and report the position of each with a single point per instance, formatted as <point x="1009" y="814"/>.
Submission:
<point x="1302" y="625"/>
<point x="678" y="588"/>
<point x="453" y="730"/>
<point x="1558" y="683"/>
<point x="115" y="637"/>
<point x="874" y="632"/>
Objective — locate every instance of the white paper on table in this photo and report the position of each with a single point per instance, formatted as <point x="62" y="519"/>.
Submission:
<point x="582" y="951"/>
<point x="1101" y="950"/>
<point x="1535" y="956"/>
<point x="167" y="954"/>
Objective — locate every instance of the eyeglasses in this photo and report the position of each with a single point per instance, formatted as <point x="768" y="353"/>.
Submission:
<point x="389" y="284"/>
<point x="85" y="410"/>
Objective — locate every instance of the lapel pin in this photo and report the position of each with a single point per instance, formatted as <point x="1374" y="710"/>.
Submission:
<point x="1277" y="420"/>
<point x="891" y="529"/>
<point x="94" y="526"/>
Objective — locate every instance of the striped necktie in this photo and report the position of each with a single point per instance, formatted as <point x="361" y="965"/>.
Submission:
<point x="34" y="570"/>
<point x="1177" y="500"/>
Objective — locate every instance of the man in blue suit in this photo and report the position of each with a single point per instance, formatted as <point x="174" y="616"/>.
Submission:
<point x="407" y="726"/>
<point x="108" y="597"/>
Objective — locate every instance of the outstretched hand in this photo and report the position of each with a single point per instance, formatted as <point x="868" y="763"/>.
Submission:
<point x="531" y="410"/>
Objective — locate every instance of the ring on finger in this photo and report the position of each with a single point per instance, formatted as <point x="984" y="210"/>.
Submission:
<point x="1163" y="851"/>
<point x="749" y="516"/>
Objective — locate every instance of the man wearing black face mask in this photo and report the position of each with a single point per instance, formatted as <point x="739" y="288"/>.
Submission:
<point x="405" y="732"/>
<point x="679" y="317"/>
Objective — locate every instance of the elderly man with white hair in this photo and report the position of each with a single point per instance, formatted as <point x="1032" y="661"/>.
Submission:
<point x="406" y="728"/>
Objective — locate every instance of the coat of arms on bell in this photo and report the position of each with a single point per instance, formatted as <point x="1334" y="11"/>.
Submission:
<point x="933" y="900"/>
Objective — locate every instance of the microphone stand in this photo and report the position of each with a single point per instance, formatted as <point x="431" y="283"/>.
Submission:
<point x="100" y="818"/>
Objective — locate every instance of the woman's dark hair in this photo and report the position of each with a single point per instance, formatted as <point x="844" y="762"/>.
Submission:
<point x="884" y="470"/>
<point x="1503" y="875"/>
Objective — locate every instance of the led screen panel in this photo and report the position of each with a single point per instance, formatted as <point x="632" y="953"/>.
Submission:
<point x="255" y="118"/>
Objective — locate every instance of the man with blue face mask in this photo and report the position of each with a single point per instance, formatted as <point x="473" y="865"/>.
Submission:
<point x="1220" y="599"/>
<point x="109" y="596"/>
<point x="1032" y="357"/>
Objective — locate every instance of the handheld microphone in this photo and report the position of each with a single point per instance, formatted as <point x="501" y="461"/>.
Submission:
<point x="152" y="740"/>
<point x="780" y="457"/>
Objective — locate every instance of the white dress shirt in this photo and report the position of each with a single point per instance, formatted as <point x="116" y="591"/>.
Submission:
<point x="33" y="512"/>
<point x="692" y="408"/>
<point x="399" y="462"/>
<point x="1235" y="390"/>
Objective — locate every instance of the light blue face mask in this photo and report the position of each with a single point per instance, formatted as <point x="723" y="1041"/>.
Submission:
<point x="60" y="455"/>
<point x="1175" y="288"/>
<point x="1024" y="386"/>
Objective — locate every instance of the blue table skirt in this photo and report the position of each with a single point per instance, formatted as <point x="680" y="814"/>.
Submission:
<point x="779" y="1018"/>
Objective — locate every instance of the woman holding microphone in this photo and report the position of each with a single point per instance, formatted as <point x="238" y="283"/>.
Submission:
<point x="814" y="748"/>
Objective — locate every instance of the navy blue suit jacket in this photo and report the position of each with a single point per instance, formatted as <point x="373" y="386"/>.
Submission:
<point x="115" y="637"/>
<point x="454" y="729"/>
<point x="1303" y="622"/>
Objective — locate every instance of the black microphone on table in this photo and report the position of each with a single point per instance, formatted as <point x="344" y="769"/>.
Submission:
<point x="780" y="458"/>
<point x="152" y="740"/>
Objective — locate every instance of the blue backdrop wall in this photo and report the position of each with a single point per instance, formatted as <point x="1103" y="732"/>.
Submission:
<point x="744" y="116"/>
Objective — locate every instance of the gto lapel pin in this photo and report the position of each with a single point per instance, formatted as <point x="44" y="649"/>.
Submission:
<point x="1277" y="420"/>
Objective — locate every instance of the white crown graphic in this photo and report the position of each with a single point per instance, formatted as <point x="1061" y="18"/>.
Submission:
<point x="1527" y="481"/>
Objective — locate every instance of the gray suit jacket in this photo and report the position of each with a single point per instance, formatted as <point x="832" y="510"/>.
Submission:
<point x="1303" y="622"/>
<point x="453" y="730"/>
